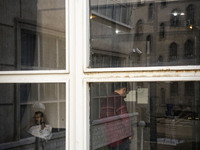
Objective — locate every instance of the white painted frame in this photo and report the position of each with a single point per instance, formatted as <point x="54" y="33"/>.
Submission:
<point x="77" y="75"/>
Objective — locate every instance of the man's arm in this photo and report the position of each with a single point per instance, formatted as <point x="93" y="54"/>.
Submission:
<point x="122" y="112"/>
<point x="31" y="123"/>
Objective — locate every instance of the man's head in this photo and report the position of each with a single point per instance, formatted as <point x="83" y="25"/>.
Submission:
<point x="38" y="117"/>
<point x="121" y="88"/>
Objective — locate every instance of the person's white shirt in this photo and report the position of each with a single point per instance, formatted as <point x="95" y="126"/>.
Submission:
<point x="36" y="131"/>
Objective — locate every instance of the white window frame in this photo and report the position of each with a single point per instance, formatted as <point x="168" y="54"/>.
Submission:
<point x="77" y="75"/>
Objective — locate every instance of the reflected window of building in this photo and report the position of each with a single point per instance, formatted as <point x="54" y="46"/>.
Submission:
<point x="28" y="48"/>
<point x="175" y="18"/>
<point x="189" y="49"/>
<point x="173" y="51"/>
<point x="190" y="14"/>
<point x="150" y="11"/>
<point x="160" y="59"/>
<point x="189" y="89"/>
<point x="163" y="3"/>
<point x="139" y="27"/>
<point x="100" y="60"/>
<point x="116" y="11"/>
<point x="39" y="51"/>
<point x="102" y="8"/>
<point x="162" y="30"/>
<point x="174" y="88"/>
<point x="163" y="95"/>
<point x="149" y="44"/>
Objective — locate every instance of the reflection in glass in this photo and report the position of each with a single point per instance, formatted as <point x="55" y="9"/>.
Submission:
<point x="173" y="52"/>
<point x="162" y="115"/>
<point x="189" y="49"/>
<point x="32" y="109"/>
<point x="119" y="29"/>
<point x="162" y="30"/>
<point x="32" y="35"/>
<point x="190" y="14"/>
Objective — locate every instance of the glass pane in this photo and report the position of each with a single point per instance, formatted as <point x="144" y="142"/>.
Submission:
<point x="32" y="110"/>
<point x="32" y="35"/>
<point x="7" y="123"/>
<point x="145" y="116"/>
<point x="144" y="33"/>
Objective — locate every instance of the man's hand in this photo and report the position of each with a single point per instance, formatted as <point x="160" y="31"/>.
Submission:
<point x="31" y="123"/>
<point x="42" y="123"/>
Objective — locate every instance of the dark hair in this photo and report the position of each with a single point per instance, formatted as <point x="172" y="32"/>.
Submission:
<point x="119" y="85"/>
<point x="39" y="112"/>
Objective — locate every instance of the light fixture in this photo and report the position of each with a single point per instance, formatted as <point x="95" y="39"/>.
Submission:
<point x="175" y="13"/>
<point x="92" y="16"/>
<point x="117" y="31"/>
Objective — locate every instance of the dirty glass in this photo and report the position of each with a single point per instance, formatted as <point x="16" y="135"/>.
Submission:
<point x="144" y="33"/>
<point x="32" y="35"/>
<point x="33" y="115"/>
<point x="145" y="115"/>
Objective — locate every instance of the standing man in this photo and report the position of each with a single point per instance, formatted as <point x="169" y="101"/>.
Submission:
<point x="118" y="128"/>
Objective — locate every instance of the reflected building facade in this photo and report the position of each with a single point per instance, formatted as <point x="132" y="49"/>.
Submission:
<point x="149" y="34"/>
<point x="140" y="34"/>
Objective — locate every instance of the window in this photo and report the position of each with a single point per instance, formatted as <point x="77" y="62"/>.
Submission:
<point x="23" y="100"/>
<point x="174" y="89"/>
<point x="175" y="18"/>
<point x="189" y="49"/>
<point x="163" y="3"/>
<point x="34" y="63"/>
<point x="127" y="43"/>
<point x="189" y="86"/>
<point x="113" y="10"/>
<point x="162" y="30"/>
<point x="37" y="35"/>
<point x="159" y="117"/>
<point x="162" y="123"/>
<point x="163" y="95"/>
<point x="173" y="52"/>
<point x="37" y="48"/>
<point x="149" y="43"/>
<point x="190" y="14"/>
<point x="151" y="11"/>
<point x="101" y="39"/>
<point x="139" y="27"/>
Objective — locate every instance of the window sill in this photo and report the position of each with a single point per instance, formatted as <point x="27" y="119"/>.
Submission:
<point x="30" y="140"/>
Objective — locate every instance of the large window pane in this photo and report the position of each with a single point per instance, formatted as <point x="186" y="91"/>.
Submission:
<point x="145" y="115"/>
<point x="140" y="34"/>
<point x="32" y="35"/>
<point x="20" y="105"/>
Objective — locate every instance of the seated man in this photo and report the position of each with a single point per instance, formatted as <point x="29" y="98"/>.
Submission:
<point x="37" y="127"/>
